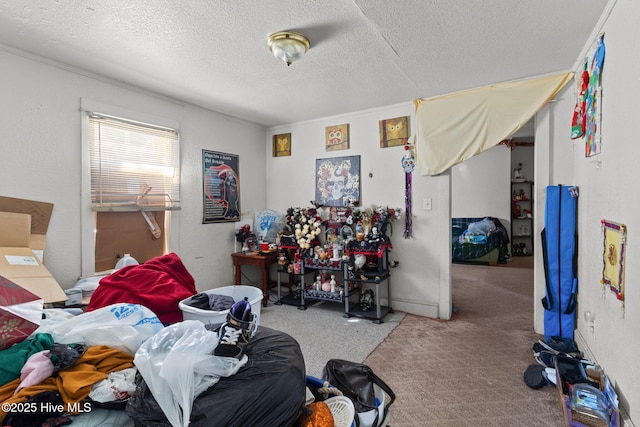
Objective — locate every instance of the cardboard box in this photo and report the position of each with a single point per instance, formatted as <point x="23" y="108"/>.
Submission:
<point x="570" y="419"/>
<point x="40" y="213"/>
<point x="19" y="263"/>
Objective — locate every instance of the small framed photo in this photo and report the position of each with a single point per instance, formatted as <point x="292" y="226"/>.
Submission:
<point x="394" y="132"/>
<point x="282" y="145"/>
<point x="337" y="137"/>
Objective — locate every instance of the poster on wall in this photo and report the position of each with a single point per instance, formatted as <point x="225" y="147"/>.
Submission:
<point x="593" y="108"/>
<point x="221" y="187"/>
<point x="338" y="181"/>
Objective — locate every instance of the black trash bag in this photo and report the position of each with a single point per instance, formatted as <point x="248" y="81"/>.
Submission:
<point x="268" y="391"/>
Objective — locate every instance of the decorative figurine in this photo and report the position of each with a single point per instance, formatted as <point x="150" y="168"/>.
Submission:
<point x="359" y="260"/>
<point x="375" y="237"/>
<point x="360" y="232"/>
<point x="332" y="283"/>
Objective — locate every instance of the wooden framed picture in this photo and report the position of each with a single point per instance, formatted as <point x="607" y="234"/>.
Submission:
<point x="338" y="181"/>
<point x="614" y="256"/>
<point x="336" y="137"/>
<point x="281" y="145"/>
<point x="394" y="132"/>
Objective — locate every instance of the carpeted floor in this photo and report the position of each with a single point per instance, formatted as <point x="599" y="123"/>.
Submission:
<point x="468" y="371"/>
<point x="323" y="333"/>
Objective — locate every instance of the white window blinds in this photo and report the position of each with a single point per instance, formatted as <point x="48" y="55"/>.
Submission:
<point x="134" y="166"/>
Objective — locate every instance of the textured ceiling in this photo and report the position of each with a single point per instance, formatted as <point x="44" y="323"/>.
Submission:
<point x="364" y="53"/>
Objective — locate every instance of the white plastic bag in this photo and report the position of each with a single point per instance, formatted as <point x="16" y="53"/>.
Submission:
<point x="118" y="386"/>
<point x="178" y="365"/>
<point x="121" y="326"/>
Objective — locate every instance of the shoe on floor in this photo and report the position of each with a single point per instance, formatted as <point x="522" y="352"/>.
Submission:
<point x="235" y="333"/>
<point x="546" y="358"/>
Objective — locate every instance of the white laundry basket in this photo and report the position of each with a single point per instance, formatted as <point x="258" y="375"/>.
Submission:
<point x="237" y="292"/>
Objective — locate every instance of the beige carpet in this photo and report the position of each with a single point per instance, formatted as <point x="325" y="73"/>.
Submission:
<point x="468" y="371"/>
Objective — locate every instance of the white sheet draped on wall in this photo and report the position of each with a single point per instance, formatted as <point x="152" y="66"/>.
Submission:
<point x="455" y="127"/>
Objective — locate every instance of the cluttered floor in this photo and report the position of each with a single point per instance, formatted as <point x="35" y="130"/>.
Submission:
<point x="129" y="359"/>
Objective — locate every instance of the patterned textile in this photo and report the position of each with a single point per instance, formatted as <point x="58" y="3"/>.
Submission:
<point x="468" y="251"/>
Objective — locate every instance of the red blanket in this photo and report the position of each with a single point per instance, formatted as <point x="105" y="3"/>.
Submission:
<point x="159" y="284"/>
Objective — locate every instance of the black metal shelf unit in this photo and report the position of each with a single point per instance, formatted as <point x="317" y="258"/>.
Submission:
<point x="522" y="237"/>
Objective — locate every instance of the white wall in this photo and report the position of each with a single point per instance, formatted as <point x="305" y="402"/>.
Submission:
<point x="481" y="186"/>
<point x="420" y="284"/>
<point x="607" y="184"/>
<point x="40" y="160"/>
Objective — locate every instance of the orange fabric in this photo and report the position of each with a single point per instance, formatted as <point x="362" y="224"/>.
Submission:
<point x="73" y="383"/>
<point x="320" y="416"/>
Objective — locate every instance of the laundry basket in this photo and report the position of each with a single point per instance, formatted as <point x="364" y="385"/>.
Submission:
<point x="342" y="410"/>
<point x="341" y="407"/>
<point x="237" y="292"/>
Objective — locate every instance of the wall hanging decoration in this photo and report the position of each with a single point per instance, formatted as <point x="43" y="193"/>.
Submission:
<point x="579" y="119"/>
<point x="408" y="165"/>
<point x="613" y="256"/>
<point x="336" y="137"/>
<point x="281" y="145"/>
<point x="221" y="187"/>
<point x="394" y="132"/>
<point x="593" y="103"/>
<point x="338" y="181"/>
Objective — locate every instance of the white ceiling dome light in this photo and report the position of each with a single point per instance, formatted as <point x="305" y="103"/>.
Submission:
<point x="288" y="46"/>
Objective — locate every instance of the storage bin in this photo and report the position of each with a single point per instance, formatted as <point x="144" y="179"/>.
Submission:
<point x="237" y="292"/>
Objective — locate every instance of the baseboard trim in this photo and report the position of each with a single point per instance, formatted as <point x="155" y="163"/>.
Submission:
<point x="415" y="307"/>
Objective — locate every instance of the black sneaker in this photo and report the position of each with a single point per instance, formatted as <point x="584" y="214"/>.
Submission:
<point x="546" y="358"/>
<point x="235" y="333"/>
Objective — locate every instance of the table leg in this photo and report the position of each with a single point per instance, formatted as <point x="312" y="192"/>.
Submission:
<point x="265" y="285"/>
<point x="238" y="275"/>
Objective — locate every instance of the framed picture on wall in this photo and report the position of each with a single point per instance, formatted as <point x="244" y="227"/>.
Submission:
<point x="281" y="145"/>
<point x="614" y="256"/>
<point x="338" y="181"/>
<point x="394" y="132"/>
<point x="337" y="137"/>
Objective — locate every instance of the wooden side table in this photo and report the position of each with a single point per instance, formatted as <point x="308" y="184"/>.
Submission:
<point x="263" y="261"/>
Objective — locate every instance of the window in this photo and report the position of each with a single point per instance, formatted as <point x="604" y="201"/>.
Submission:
<point x="131" y="180"/>
<point x="134" y="166"/>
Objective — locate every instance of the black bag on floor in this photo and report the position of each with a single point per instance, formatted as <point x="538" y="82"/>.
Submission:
<point x="357" y="382"/>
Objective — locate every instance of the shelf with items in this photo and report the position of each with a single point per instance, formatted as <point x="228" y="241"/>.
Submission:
<point x="522" y="236"/>
<point x="330" y="281"/>
<point x="318" y="239"/>
<point x="294" y="285"/>
<point x="370" y="267"/>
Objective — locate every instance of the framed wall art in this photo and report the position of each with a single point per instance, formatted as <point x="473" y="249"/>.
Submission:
<point x="221" y="187"/>
<point x="338" y="181"/>
<point x="614" y="256"/>
<point x="281" y="145"/>
<point x="336" y="137"/>
<point x="394" y="132"/>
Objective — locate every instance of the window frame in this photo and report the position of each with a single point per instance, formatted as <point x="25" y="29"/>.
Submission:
<point x="88" y="216"/>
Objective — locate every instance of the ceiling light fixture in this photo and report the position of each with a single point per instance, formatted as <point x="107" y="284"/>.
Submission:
<point x="288" y="46"/>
